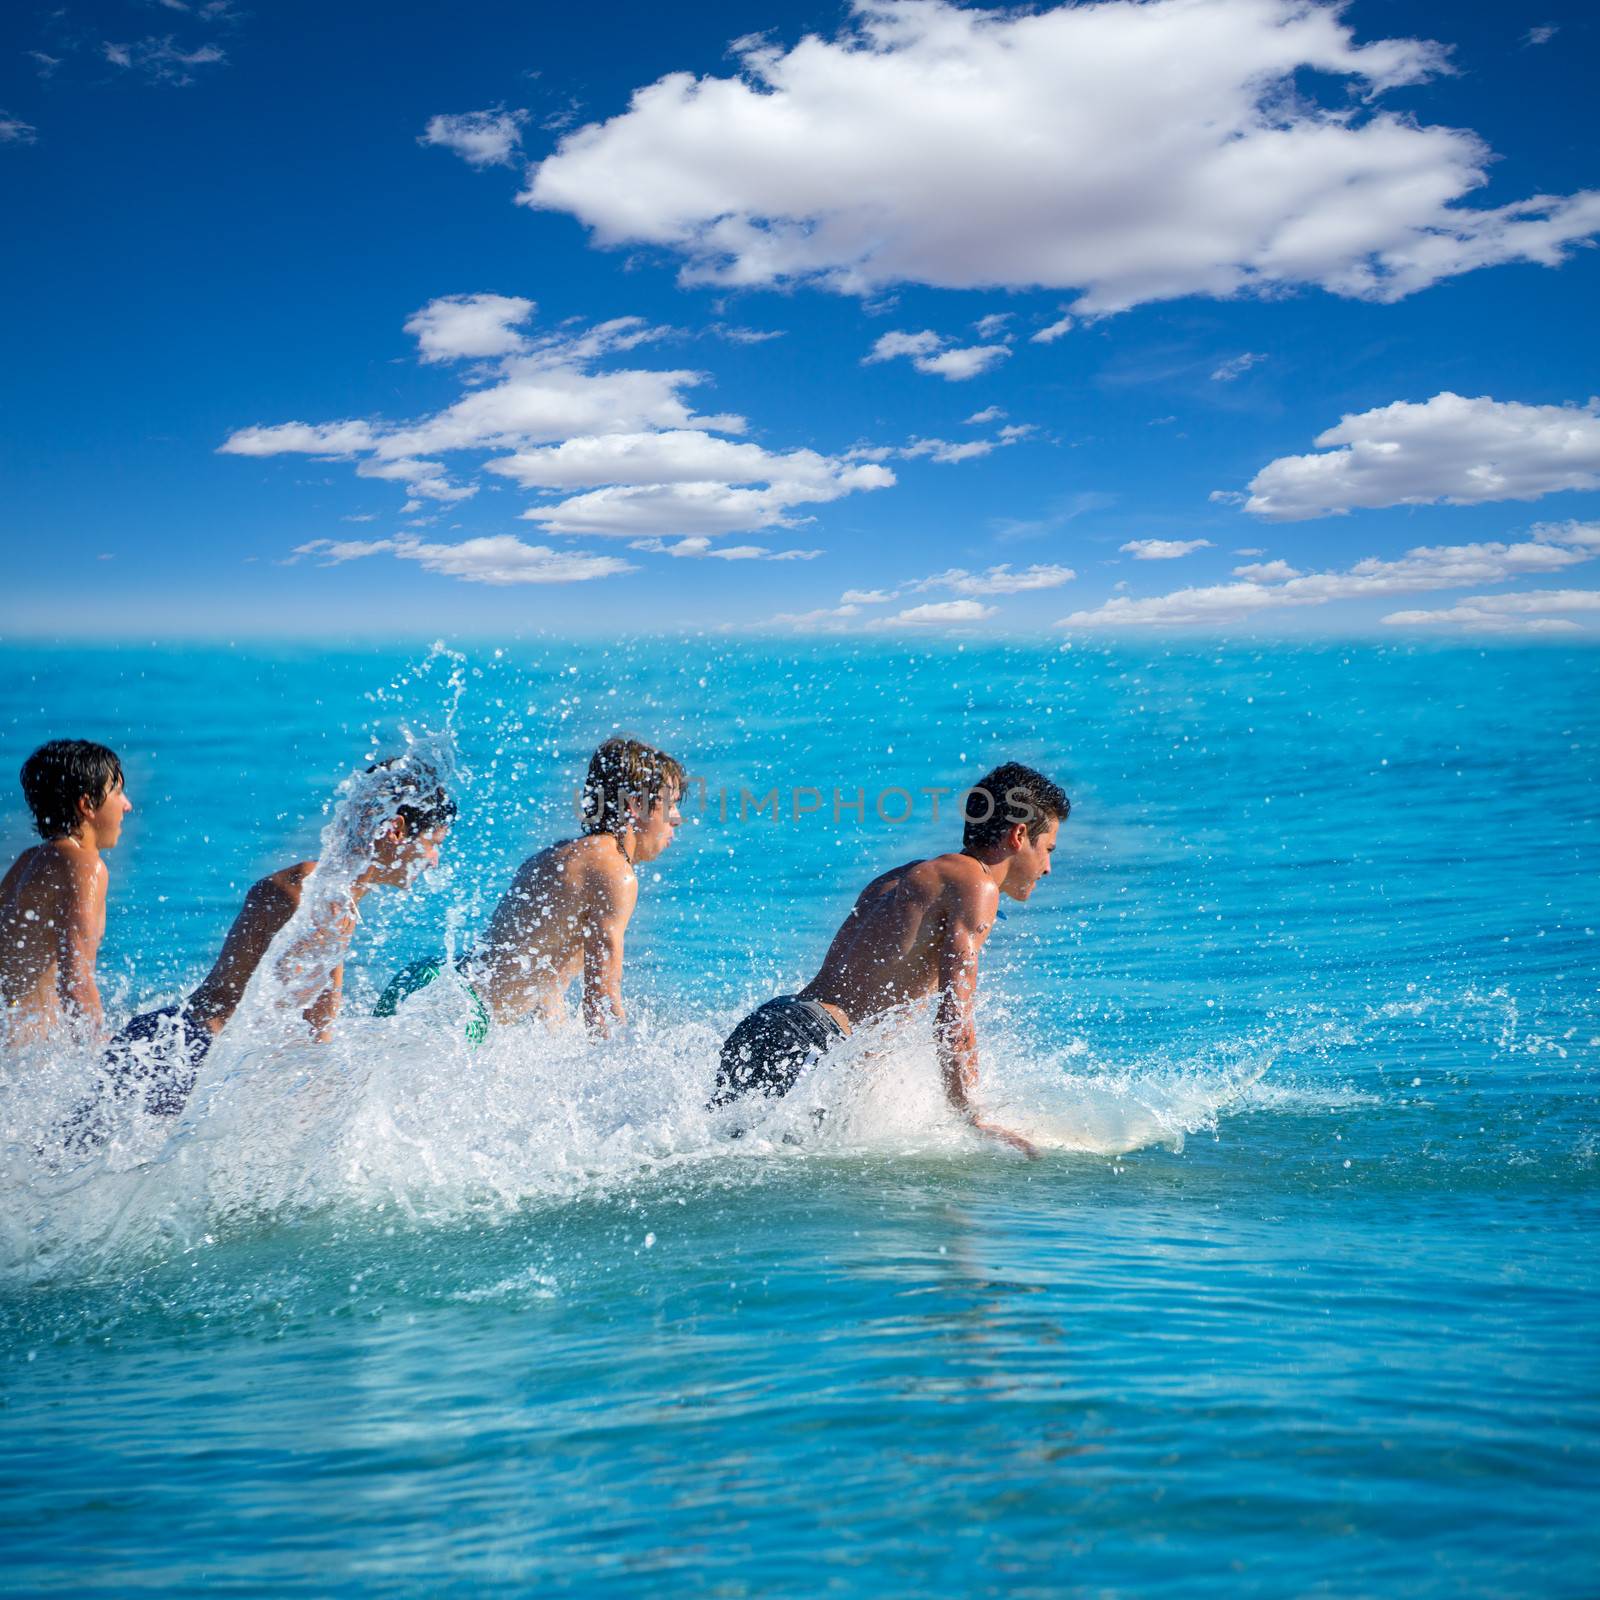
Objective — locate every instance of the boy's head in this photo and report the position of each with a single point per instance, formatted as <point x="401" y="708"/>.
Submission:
<point x="73" y="784"/>
<point x="633" y="785"/>
<point x="420" y="812"/>
<point x="1017" y="812"/>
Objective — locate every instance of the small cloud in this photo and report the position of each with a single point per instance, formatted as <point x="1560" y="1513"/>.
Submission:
<point x="501" y="560"/>
<point x="940" y="614"/>
<point x="1160" y="422"/>
<point x="995" y="323"/>
<point x="931" y="353"/>
<point x="1236" y="367"/>
<point x="736" y="335"/>
<point x="13" y="130"/>
<point x="160" y="59"/>
<point x="988" y="414"/>
<point x="361" y="516"/>
<point x="868" y="597"/>
<point x="480" y="138"/>
<point x="1053" y="332"/>
<point x="1163" y="549"/>
<point x="45" y="66"/>
<point x="105" y="555"/>
<point x="696" y="547"/>
<point x="1250" y="550"/>
<point x="1542" y="34"/>
<point x="1267" y="572"/>
<point x="1227" y="497"/>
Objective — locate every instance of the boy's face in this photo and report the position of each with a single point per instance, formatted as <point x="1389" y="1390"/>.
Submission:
<point x="1032" y="860"/>
<point x="106" y="818"/>
<point x="400" y="855"/>
<point x="657" y="830"/>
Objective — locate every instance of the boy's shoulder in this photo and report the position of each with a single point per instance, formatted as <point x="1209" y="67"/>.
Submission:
<point x="283" y="886"/>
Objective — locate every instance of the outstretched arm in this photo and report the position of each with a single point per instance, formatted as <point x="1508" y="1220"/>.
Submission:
<point x="956" y="1030"/>
<point x="611" y="896"/>
<point x="80" y="922"/>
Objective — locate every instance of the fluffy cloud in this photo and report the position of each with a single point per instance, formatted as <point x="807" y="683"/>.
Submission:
<point x="1534" y="611"/>
<point x="13" y="130"/>
<point x="988" y="414"/>
<point x="458" y="326"/>
<point x="1449" y="448"/>
<point x="500" y="560"/>
<point x="1424" y="568"/>
<point x="1267" y="572"/>
<point x="932" y="353"/>
<point x="939" y="614"/>
<point x="1132" y="150"/>
<point x="1054" y="331"/>
<point x="621" y="443"/>
<point x="480" y="138"/>
<point x="1163" y="549"/>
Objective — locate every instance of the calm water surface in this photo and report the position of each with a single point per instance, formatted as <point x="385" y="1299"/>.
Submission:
<point x="1301" y="1299"/>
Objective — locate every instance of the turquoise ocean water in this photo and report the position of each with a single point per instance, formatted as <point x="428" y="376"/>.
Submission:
<point x="1301" y="1299"/>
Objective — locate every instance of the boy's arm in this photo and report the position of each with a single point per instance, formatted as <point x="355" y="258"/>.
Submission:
<point x="612" y="895"/>
<point x="323" y="1011"/>
<point x="955" y="1026"/>
<point x="80" y="923"/>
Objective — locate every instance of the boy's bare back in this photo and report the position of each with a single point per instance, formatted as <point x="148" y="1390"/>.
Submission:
<point x="893" y="946"/>
<point x="52" y="919"/>
<point x="565" y="913"/>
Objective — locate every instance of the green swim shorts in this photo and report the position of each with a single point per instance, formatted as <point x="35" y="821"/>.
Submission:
<point x="408" y="980"/>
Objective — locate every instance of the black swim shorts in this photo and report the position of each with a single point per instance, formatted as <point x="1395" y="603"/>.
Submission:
<point x="768" y="1051"/>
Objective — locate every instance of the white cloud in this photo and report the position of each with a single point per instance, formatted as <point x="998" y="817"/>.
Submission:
<point x="644" y="463"/>
<point x="988" y="414"/>
<point x="161" y="60"/>
<point x="994" y="323"/>
<point x="998" y="580"/>
<point x="1236" y="367"/>
<point x="1449" y="448"/>
<point x="302" y="438"/>
<point x="939" y="614"/>
<point x="1050" y="334"/>
<point x="1163" y="549"/>
<point x="480" y="138"/>
<point x="827" y="618"/>
<point x="1533" y="611"/>
<point x="944" y="450"/>
<point x="1424" y="568"/>
<point x="458" y="326"/>
<point x="1267" y="572"/>
<point x="699" y="548"/>
<point x="1542" y="34"/>
<point x="868" y="597"/>
<point x="13" y="130"/>
<point x="737" y="335"/>
<point x="932" y="353"/>
<point x="1130" y="151"/>
<point x="501" y="560"/>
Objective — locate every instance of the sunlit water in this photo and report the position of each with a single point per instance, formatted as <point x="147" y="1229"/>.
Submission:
<point x="1300" y="1299"/>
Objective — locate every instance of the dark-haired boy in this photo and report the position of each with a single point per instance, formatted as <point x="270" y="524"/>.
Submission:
<point x="567" y="910"/>
<point x="53" y="900"/>
<point x="159" y="1053"/>
<point x="914" y="932"/>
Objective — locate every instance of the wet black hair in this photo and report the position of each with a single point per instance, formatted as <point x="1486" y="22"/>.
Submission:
<point x="423" y="802"/>
<point x="59" y="774"/>
<point x="1012" y="793"/>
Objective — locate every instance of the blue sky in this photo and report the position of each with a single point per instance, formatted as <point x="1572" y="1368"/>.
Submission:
<point x="905" y="318"/>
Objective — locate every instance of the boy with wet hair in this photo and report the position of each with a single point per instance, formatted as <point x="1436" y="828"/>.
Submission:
<point x="161" y="1051"/>
<point x="53" y="900"/>
<point x="567" y="910"/>
<point x="915" y="932"/>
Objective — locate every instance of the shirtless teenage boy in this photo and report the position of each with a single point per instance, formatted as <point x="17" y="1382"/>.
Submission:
<point x="53" y="900"/>
<point x="566" y="912"/>
<point x="163" y="1049"/>
<point x="914" y="932"/>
